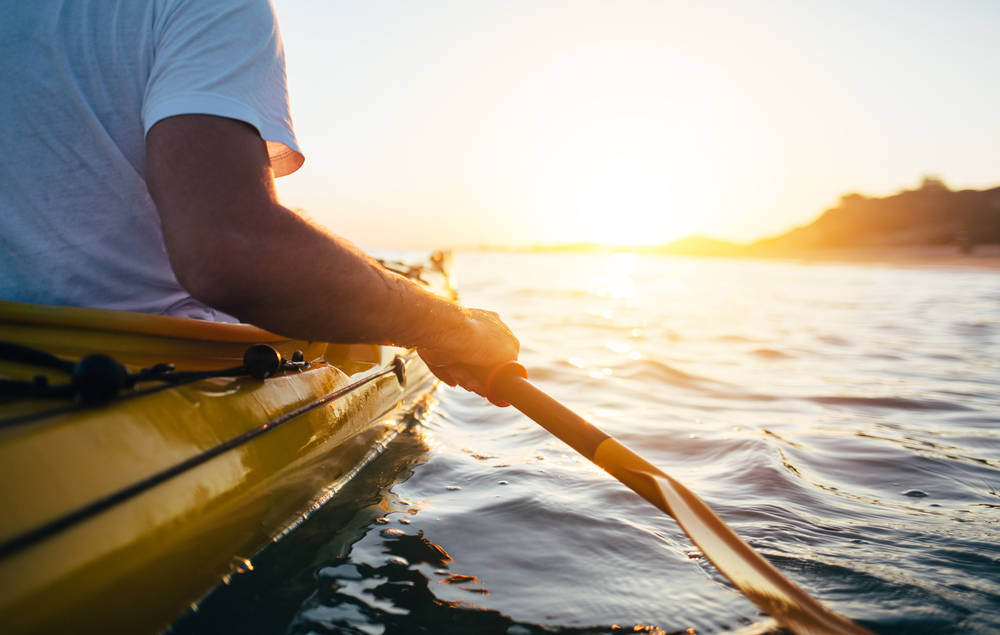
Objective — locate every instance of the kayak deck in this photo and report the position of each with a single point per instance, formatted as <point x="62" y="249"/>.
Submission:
<point x="118" y="517"/>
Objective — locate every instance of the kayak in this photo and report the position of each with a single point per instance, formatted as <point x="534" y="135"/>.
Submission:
<point x="146" y="458"/>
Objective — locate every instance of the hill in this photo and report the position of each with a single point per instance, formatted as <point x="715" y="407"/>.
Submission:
<point x="932" y="215"/>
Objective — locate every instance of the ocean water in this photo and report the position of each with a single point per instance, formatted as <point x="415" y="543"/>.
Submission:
<point x="843" y="419"/>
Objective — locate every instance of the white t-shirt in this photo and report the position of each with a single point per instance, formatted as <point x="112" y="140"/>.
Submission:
<point x="81" y="83"/>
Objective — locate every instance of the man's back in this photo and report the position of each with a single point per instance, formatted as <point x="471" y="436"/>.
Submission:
<point x="82" y="83"/>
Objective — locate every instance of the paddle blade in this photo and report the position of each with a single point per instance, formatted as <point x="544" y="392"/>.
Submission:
<point x="754" y="576"/>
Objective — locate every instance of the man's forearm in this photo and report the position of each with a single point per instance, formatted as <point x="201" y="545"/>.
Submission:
<point x="291" y="277"/>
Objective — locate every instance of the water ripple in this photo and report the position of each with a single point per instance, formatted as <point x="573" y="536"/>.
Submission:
<point x="843" y="419"/>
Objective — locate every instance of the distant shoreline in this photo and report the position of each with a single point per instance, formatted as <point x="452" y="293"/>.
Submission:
<point x="982" y="256"/>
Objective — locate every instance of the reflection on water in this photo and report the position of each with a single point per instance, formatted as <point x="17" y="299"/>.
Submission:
<point x="842" y="419"/>
<point x="348" y="571"/>
<point x="614" y="280"/>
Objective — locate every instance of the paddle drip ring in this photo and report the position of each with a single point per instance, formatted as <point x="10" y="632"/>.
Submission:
<point x="511" y="365"/>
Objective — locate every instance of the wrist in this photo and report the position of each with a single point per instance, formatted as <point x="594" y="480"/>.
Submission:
<point x="432" y="320"/>
<point x="444" y="321"/>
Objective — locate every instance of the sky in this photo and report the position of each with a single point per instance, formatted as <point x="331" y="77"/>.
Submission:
<point x="462" y="123"/>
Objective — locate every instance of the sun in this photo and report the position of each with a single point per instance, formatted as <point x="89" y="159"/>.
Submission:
<point x="617" y="195"/>
<point x="620" y="143"/>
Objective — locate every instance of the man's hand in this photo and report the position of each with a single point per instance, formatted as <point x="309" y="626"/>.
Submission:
<point x="236" y="248"/>
<point x="483" y="341"/>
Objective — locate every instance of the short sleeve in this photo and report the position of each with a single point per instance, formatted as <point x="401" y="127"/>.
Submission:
<point x="223" y="58"/>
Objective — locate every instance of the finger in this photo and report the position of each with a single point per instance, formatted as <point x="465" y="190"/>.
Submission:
<point x="473" y="385"/>
<point x="436" y="364"/>
<point x="435" y="358"/>
<point x="441" y="372"/>
<point x="466" y="380"/>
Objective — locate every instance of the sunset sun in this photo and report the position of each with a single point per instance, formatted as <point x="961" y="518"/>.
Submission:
<point x="623" y="143"/>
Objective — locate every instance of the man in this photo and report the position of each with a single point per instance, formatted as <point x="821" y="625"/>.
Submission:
<point x="140" y="142"/>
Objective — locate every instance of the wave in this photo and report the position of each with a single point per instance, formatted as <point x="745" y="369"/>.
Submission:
<point x="768" y="353"/>
<point x="896" y="403"/>
<point x="652" y="370"/>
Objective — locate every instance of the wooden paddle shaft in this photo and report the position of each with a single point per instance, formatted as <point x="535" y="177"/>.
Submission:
<point x="546" y="411"/>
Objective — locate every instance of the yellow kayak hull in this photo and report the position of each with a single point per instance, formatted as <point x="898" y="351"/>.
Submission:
<point x="136" y="564"/>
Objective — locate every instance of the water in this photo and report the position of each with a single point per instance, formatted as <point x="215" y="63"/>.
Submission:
<point x="845" y="420"/>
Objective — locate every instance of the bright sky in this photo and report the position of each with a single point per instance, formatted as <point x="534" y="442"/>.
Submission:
<point x="457" y="123"/>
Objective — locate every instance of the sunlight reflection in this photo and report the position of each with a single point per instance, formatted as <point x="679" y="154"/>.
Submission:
<point x="616" y="280"/>
<point x="622" y="264"/>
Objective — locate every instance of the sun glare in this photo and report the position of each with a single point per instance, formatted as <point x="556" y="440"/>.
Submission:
<point x="616" y="280"/>
<point x="619" y="195"/>
<point x="620" y="143"/>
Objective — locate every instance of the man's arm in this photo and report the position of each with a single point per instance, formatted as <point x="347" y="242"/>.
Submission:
<point x="235" y="248"/>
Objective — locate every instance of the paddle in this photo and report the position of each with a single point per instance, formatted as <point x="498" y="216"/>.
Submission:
<point x="754" y="576"/>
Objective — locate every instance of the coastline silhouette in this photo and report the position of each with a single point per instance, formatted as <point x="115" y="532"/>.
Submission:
<point x="932" y="221"/>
